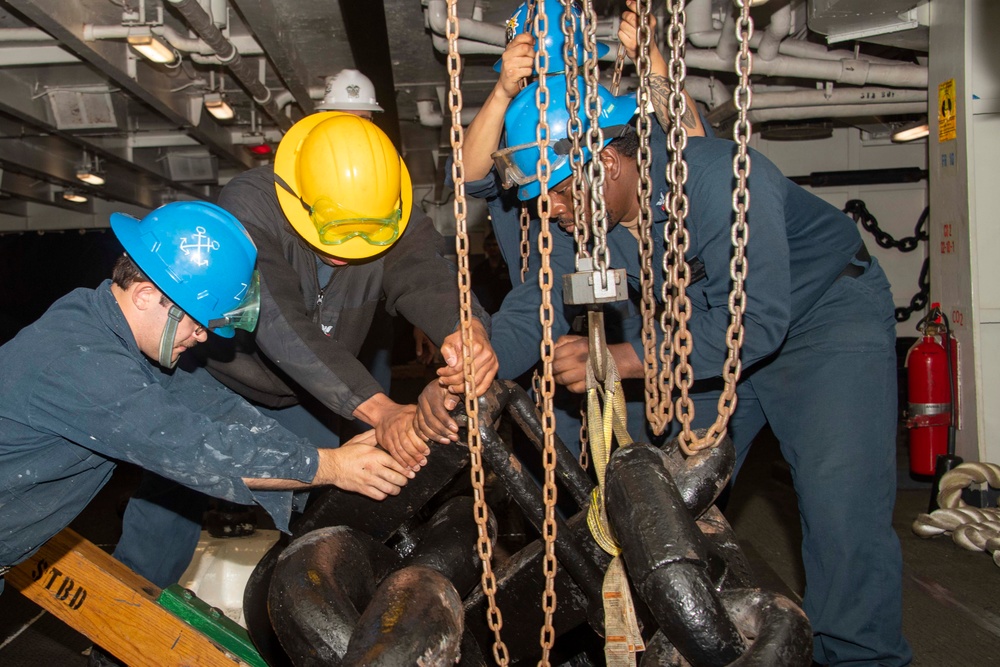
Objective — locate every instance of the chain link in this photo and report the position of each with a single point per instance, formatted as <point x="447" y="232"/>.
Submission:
<point x="676" y="341"/>
<point x="659" y="406"/>
<point x="857" y="210"/>
<point x="525" y="245"/>
<point x="919" y="300"/>
<point x="574" y="129"/>
<point x="595" y="142"/>
<point x="481" y="511"/>
<point x="546" y="316"/>
<point x="738" y="266"/>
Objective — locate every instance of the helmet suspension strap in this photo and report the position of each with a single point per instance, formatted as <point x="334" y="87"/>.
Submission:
<point x="174" y="317"/>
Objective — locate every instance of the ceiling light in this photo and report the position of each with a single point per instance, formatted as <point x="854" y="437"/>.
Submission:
<point x="74" y="196"/>
<point x="911" y="131"/>
<point x="90" y="176"/>
<point x="218" y="106"/>
<point x="153" y="48"/>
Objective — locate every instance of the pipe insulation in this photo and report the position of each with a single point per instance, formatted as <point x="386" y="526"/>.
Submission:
<point x="244" y="72"/>
<point x="245" y="44"/>
<point x="776" y="30"/>
<point x="854" y="72"/>
<point x="838" y="97"/>
<point x="837" y="111"/>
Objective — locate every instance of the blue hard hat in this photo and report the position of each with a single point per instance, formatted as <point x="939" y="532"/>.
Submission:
<point x="200" y="257"/>
<point x="518" y="163"/>
<point x="554" y="37"/>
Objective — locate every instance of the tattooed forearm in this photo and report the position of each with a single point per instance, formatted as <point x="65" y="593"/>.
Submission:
<point x="689" y="118"/>
<point x="659" y="95"/>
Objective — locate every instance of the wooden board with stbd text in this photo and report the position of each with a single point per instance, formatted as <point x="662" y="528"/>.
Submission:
<point x="99" y="597"/>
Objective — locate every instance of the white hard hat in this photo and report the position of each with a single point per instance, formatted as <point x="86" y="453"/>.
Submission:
<point x="349" y="90"/>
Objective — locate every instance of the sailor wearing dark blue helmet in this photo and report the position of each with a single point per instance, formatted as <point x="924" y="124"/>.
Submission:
<point x="92" y="382"/>
<point x="819" y="344"/>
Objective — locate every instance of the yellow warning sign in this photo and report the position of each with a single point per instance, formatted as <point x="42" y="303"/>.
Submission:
<point x="946" y="111"/>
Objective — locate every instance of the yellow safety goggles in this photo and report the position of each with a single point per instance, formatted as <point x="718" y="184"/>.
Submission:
<point x="335" y="224"/>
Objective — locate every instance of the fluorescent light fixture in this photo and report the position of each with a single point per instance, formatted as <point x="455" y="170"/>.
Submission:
<point x="90" y="176"/>
<point x="153" y="48"/>
<point x="74" y="196"/>
<point x="911" y="131"/>
<point x="218" y="106"/>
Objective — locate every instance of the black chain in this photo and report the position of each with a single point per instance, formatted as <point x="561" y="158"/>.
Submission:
<point x="919" y="300"/>
<point x="857" y="210"/>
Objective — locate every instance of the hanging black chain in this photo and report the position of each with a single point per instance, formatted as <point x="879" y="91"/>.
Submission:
<point x="857" y="210"/>
<point x="919" y="300"/>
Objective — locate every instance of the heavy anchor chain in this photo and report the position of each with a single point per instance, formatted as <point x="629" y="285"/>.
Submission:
<point x="495" y="618"/>
<point x="546" y="316"/>
<point x="677" y="304"/>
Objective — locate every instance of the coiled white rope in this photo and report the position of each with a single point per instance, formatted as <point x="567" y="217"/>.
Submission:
<point x="970" y="527"/>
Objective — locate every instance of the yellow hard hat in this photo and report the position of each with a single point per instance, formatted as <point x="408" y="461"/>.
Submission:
<point x="342" y="185"/>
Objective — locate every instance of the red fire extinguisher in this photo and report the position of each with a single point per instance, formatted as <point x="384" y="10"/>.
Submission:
<point x="930" y="394"/>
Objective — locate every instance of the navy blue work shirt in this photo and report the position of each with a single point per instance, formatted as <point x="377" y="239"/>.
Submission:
<point x="77" y="395"/>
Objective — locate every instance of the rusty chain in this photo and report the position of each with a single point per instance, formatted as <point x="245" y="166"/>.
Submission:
<point x="574" y="129"/>
<point x="738" y="263"/>
<point x="674" y="259"/>
<point x="658" y="386"/>
<point x="546" y="315"/>
<point x="525" y="216"/>
<point x="481" y="511"/>
<point x="595" y="142"/>
<point x="525" y="245"/>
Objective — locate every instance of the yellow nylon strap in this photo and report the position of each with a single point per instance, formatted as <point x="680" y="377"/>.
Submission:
<point x="622" y="639"/>
<point x="611" y="420"/>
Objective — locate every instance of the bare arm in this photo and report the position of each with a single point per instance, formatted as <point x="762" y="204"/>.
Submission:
<point x="483" y="135"/>
<point x="357" y="466"/>
<point x="658" y="82"/>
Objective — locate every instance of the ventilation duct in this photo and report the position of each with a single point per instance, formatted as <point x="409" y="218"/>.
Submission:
<point x="192" y="166"/>
<point x="82" y="108"/>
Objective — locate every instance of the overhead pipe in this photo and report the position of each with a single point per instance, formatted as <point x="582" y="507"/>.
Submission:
<point x="285" y="97"/>
<point x="836" y="97"/>
<point x="728" y="46"/>
<point x="245" y="44"/>
<point x="701" y="32"/>
<point x="41" y="54"/>
<point x="776" y="31"/>
<point x="854" y="72"/>
<point x="199" y="21"/>
<point x="431" y="116"/>
<point x="470" y="29"/>
<point x="840" y="111"/>
<point x="479" y="37"/>
<point x="25" y="35"/>
<point x="843" y="70"/>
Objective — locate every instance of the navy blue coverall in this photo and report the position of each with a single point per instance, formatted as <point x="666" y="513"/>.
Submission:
<point x="819" y="367"/>
<point x="77" y="395"/>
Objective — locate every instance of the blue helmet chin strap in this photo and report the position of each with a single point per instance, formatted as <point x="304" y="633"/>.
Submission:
<point x="174" y="316"/>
